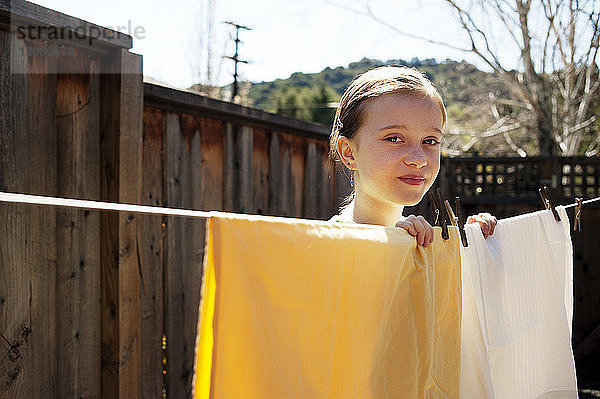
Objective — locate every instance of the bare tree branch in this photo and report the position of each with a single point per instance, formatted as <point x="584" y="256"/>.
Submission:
<point x="513" y="146"/>
<point x="508" y="22"/>
<point x="550" y="15"/>
<point x="411" y="35"/>
<point x="367" y="11"/>
<point x="557" y="86"/>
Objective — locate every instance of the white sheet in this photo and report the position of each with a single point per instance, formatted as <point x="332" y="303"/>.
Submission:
<point x="518" y="310"/>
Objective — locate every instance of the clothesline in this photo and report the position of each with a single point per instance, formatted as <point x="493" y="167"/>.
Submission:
<point x="99" y="205"/>
<point x="118" y="207"/>
<point x="583" y="203"/>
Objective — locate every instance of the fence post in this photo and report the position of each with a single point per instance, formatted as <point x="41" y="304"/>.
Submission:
<point x="28" y="253"/>
<point x="121" y="155"/>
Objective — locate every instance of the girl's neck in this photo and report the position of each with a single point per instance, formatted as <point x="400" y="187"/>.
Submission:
<point x="367" y="210"/>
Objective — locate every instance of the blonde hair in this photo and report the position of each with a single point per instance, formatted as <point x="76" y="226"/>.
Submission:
<point x="372" y="84"/>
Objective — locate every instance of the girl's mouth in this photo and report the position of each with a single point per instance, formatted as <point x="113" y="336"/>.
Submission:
<point x="413" y="180"/>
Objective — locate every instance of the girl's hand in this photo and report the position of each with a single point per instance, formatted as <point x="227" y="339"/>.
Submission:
<point x="486" y="221"/>
<point x="418" y="227"/>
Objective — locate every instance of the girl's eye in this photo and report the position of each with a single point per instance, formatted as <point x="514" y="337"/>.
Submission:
<point x="431" y="142"/>
<point x="393" y="139"/>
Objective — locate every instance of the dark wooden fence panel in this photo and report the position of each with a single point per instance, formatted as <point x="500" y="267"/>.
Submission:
<point x="153" y="257"/>
<point x="121" y="146"/>
<point x="212" y="133"/>
<point x="218" y="164"/>
<point x="56" y="118"/>
<point x="260" y="169"/>
<point x="78" y="236"/>
<point x="175" y="305"/>
<point x="28" y="158"/>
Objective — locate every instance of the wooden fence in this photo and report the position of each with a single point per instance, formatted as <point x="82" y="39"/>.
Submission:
<point x="205" y="154"/>
<point x="87" y="297"/>
<point x="105" y="305"/>
<point x="71" y="125"/>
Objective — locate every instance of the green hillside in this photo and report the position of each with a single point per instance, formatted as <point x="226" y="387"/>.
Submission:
<point x="465" y="90"/>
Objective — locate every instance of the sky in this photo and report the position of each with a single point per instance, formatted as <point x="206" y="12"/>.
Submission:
<point x="287" y="36"/>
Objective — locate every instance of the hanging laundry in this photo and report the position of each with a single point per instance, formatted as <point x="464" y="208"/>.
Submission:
<point x="303" y="309"/>
<point x="518" y="310"/>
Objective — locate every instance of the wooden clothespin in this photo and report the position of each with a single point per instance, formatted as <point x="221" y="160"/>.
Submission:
<point x="453" y="218"/>
<point x="577" y="221"/>
<point x="434" y="208"/>
<point x="547" y="202"/>
<point x="443" y="222"/>
<point x="461" y="225"/>
<point x="456" y="222"/>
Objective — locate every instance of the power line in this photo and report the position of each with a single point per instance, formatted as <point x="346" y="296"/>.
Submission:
<point x="235" y="57"/>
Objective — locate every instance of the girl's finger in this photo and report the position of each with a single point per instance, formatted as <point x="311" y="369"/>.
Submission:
<point x="491" y="222"/>
<point x="408" y="226"/>
<point x="423" y="233"/>
<point x="482" y="224"/>
<point x="428" y="230"/>
<point x="485" y="227"/>
<point x="418" y="228"/>
<point x="494" y="222"/>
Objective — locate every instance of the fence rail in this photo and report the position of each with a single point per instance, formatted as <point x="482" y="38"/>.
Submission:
<point x="518" y="179"/>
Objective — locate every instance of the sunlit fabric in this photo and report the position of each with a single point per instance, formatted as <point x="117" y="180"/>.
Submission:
<point x="303" y="309"/>
<point x="518" y="310"/>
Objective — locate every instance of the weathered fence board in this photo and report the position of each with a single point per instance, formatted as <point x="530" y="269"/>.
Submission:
<point x="78" y="237"/>
<point x="28" y="282"/>
<point x="228" y="168"/>
<point x="211" y="181"/>
<point x="184" y="157"/>
<point x="260" y="168"/>
<point x="243" y="169"/>
<point x="274" y="176"/>
<point x="121" y="146"/>
<point x="40" y="233"/>
<point x="326" y="206"/>
<point x="311" y="182"/>
<point x="286" y="204"/>
<point x="297" y="160"/>
<point x="192" y="247"/>
<point x="175" y="306"/>
<point x="152" y="257"/>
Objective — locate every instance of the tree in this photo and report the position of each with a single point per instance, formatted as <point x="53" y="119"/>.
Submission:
<point x="322" y="103"/>
<point x="315" y="104"/>
<point x="556" y="84"/>
<point x="555" y="90"/>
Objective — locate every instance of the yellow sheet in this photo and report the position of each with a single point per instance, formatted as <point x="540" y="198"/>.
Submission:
<point x="294" y="308"/>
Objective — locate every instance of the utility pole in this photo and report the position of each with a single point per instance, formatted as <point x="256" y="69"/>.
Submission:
<point x="235" y="57"/>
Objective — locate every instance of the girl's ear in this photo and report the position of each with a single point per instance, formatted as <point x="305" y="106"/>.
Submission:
<point x="346" y="152"/>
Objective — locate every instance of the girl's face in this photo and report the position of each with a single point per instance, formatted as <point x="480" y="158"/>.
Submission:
<point x="397" y="148"/>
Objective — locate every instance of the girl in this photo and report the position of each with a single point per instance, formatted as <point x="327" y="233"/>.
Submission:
<point x="387" y="131"/>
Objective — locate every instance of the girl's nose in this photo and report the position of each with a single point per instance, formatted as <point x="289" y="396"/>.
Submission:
<point x="415" y="156"/>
